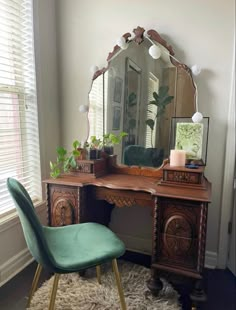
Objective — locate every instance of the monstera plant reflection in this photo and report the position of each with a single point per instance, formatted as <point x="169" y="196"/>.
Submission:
<point x="161" y="100"/>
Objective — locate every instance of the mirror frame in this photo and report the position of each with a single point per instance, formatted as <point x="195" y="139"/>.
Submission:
<point x="138" y="38"/>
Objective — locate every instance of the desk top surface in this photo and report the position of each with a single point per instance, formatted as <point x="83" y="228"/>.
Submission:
<point x="138" y="183"/>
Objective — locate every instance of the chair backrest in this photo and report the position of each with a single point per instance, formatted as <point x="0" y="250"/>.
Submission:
<point x="141" y="156"/>
<point x="32" y="228"/>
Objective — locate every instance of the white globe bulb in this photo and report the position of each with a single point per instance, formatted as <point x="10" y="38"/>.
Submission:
<point x="83" y="108"/>
<point x="196" y="69"/>
<point x="197" y="117"/>
<point x="94" y="69"/>
<point x="124" y="46"/>
<point x="155" y="51"/>
<point x="121" y="41"/>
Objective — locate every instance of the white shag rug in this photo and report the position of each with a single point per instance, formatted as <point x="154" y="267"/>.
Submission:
<point x="84" y="293"/>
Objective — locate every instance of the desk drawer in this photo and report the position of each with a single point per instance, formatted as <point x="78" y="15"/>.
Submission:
<point x="122" y="198"/>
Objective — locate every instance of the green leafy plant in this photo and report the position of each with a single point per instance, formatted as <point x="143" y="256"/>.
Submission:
<point x="161" y="100"/>
<point x="65" y="161"/>
<point x="110" y="139"/>
<point x="95" y="143"/>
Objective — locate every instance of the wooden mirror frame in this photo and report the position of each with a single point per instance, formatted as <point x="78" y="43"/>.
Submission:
<point x="138" y="38"/>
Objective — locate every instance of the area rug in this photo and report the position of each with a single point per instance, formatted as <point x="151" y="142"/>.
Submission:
<point x="84" y="293"/>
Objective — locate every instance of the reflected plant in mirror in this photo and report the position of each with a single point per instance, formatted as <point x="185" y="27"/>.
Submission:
<point x="139" y="94"/>
<point x="110" y="139"/>
<point x="157" y="108"/>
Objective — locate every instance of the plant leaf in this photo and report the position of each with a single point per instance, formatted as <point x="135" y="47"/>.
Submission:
<point x="150" y="123"/>
<point x="76" y="144"/>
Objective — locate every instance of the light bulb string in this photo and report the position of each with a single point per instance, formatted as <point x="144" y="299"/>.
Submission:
<point x="167" y="53"/>
<point x="196" y="96"/>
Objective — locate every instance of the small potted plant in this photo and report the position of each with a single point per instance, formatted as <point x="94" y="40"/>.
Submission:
<point x="110" y="139"/>
<point x="65" y="160"/>
<point x="94" y="148"/>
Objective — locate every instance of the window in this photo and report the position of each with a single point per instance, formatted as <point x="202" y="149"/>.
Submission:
<point x="97" y="98"/>
<point x="153" y="86"/>
<point x="19" y="138"/>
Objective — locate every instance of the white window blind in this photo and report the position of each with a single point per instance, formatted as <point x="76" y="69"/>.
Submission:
<point x="19" y="139"/>
<point x="153" y="86"/>
<point x="96" y="109"/>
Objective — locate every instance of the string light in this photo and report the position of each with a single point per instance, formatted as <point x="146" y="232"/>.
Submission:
<point x="83" y="108"/>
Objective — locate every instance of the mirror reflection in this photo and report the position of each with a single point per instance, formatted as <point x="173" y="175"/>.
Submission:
<point x="139" y="95"/>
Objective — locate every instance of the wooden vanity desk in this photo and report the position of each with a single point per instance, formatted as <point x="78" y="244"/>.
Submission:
<point x="179" y="212"/>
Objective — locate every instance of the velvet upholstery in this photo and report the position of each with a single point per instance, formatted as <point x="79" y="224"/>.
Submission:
<point x="64" y="249"/>
<point x="140" y="156"/>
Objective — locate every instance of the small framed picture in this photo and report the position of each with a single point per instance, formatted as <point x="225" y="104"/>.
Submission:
<point x="190" y="137"/>
<point x="118" y="90"/>
<point x="116" y="118"/>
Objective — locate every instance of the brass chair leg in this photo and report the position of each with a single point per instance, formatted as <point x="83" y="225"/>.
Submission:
<point x="118" y="283"/>
<point x="34" y="284"/>
<point x="98" y="272"/>
<point x="54" y="291"/>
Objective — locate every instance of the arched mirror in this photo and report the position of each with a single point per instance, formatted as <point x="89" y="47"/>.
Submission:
<point x="139" y="92"/>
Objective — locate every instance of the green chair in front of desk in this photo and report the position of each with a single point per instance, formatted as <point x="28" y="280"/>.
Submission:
<point x="67" y="249"/>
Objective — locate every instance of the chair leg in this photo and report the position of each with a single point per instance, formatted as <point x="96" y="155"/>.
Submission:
<point x="98" y="272"/>
<point x="118" y="283"/>
<point x="34" y="284"/>
<point x="54" y="291"/>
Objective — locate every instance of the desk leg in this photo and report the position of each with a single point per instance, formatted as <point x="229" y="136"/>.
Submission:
<point x="154" y="284"/>
<point x="198" y="295"/>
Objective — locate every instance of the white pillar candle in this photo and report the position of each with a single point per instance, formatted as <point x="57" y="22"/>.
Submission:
<point x="177" y="158"/>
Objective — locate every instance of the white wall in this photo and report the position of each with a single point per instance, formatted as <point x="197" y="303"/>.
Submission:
<point x="14" y="253"/>
<point x="200" y="32"/>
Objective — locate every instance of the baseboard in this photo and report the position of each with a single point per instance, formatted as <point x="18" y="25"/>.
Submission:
<point x="211" y="260"/>
<point x="136" y="244"/>
<point x="14" y="265"/>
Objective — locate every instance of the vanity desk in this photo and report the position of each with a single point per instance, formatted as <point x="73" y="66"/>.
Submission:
<point x="179" y="211"/>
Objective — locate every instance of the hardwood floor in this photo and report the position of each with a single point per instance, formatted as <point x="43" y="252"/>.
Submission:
<point x="219" y="284"/>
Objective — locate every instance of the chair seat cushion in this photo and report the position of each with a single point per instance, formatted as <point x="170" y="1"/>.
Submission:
<point x="80" y="246"/>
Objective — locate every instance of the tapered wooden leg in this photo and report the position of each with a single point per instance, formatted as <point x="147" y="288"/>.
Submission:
<point x="98" y="272"/>
<point x="154" y="283"/>
<point x="54" y="291"/>
<point x="118" y="283"/>
<point x="34" y="284"/>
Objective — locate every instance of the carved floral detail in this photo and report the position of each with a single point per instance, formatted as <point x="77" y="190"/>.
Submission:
<point x="138" y="34"/>
<point x="120" y="201"/>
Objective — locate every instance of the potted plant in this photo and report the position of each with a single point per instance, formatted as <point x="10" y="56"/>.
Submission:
<point x="110" y="139"/>
<point x="65" y="160"/>
<point x="161" y="100"/>
<point x="94" y="148"/>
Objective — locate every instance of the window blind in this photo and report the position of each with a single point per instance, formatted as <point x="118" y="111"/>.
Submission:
<point x="96" y="110"/>
<point x="153" y="86"/>
<point x="19" y="138"/>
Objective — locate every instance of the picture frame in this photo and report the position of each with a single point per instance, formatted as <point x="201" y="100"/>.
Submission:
<point x="118" y="90"/>
<point x="116" y="118"/>
<point x="191" y="137"/>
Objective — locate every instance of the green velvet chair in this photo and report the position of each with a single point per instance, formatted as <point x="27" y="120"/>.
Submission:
<point x="140" y="156"/>
<point x="67" y="249"/>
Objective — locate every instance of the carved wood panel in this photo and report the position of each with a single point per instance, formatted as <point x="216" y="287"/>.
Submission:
<point x="63" y="202"/>
<point x="180" y="233"/>
<point x="122" y="198"/>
